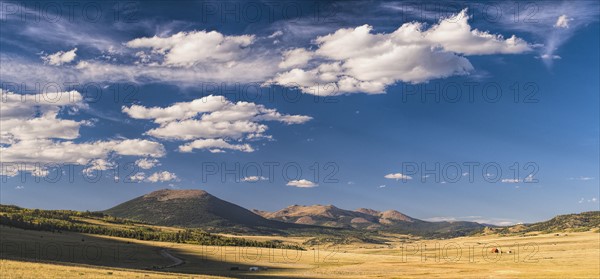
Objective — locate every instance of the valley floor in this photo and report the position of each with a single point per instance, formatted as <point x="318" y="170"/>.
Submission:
<point x="34" y="254"/>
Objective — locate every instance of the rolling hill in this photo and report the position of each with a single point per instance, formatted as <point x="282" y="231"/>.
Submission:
<point x="590" y="219"/>
<point x="562" y="223"/>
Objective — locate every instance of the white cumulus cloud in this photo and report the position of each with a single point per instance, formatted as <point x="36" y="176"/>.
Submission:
<point x="61" y="57"/>
<point x="33" y="133"/>
<point x="211" y="122"/>
<point x="302" y="183"/>
<point x="397" y="176"/>
<point x="137" y="177"/>
<point x="35" y="116"/>
<point x="98" y="165"/>
<point x="162" y="176"/>
<point x="187" y="48"/>
<point x="295" y="57"/>
<point x="147" y="163"/>
<point x="353" y="60"/>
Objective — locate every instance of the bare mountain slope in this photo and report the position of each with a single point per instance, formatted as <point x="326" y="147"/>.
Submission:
<point x="331" y="216"/>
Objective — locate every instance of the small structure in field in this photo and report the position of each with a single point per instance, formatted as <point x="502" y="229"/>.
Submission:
<point x="253" y="268"/>
<point x="496" y="250"/>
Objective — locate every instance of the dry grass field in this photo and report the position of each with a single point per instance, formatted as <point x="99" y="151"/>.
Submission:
<point x="567" y="255"/>
<point x="12" y="269"/>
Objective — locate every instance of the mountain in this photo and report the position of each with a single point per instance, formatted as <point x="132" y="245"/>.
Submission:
<point x="387" y="217"/>
<point x="369" y="219"/>
<point x="331" y="216"/>
<point x="194" y="209"/>
<point x="199" y="209"/>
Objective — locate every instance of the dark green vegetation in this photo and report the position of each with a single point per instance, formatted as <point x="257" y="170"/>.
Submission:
<point x="436" y="229"/>
<point x="345" y="239"/>
<point x="584" y="221"/>
<point x="581" y="221"/>
<point x="82" y="222"/>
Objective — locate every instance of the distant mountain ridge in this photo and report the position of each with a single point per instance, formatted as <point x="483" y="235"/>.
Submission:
<point x="370" y="220"/>
<point x="332" y="216"/>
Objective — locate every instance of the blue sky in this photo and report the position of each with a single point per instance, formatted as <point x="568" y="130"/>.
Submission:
<point x="382" y="105"/>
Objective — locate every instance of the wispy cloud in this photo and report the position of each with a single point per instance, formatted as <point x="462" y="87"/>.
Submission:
<point x="554" y="23"/>
<point x="582" y="178"/>
<point x="477" y="219"/>
<point x="510" y="180"/>
<point x="254" y="178"/>
<point x="592" y="200"/>
<point x="563" y="21"/>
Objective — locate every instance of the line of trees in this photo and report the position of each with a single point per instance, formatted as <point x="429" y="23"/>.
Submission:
<point x="65" y="220"/>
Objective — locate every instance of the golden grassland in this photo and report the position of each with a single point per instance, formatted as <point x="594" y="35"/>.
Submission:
<point x="12" y="269"/>
<point x="568" y="255"/>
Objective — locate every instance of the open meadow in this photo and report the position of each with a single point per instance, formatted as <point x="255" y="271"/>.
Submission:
<point x="35" y="254"/>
